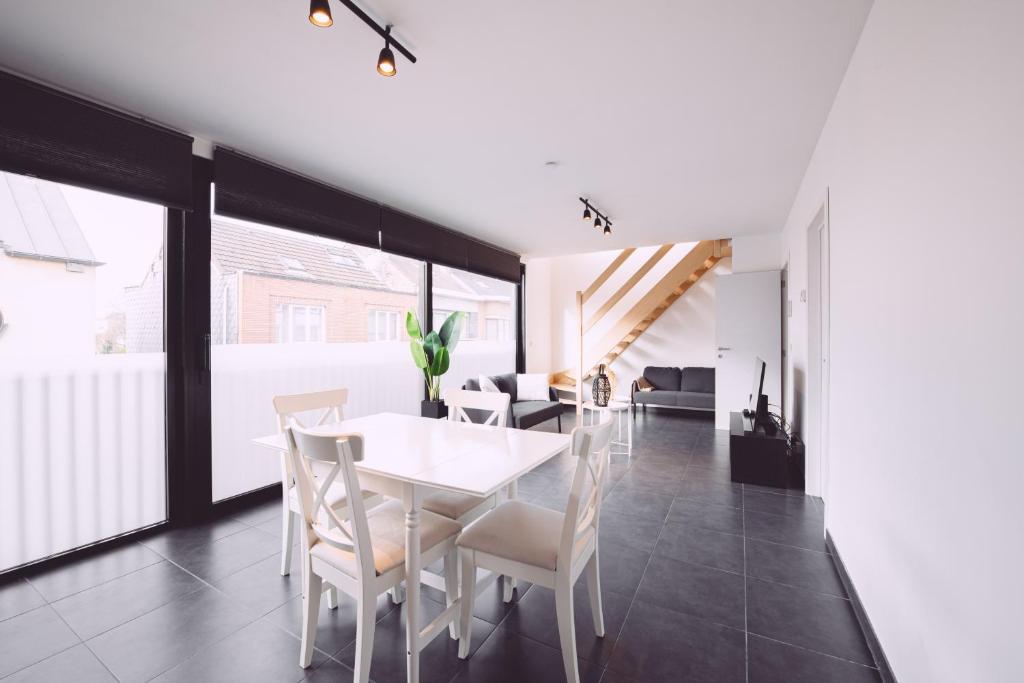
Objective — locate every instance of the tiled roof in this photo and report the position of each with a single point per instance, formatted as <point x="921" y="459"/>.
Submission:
<point x="36" y="222"/>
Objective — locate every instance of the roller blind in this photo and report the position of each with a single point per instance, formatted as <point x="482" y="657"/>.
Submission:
<point x="59" y="137"/>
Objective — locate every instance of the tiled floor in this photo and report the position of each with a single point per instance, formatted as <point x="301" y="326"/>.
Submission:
<point x="703" y="580"/>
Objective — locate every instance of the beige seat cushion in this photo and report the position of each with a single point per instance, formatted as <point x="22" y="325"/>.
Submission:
<point x="520" y="532"/>
<point x="451" y="505"/>
<point x="387" y="531"/>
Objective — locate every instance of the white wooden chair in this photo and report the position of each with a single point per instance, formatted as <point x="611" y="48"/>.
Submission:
<point x="364" y="555"/>
<point x="545" y="547"/>
<point x="458" y="506"/>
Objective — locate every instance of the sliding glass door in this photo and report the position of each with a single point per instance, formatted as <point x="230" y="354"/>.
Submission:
<point x="291" y="313"/>
<point x="82" y="367"/>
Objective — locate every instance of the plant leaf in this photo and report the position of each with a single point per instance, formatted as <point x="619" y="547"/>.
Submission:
<point x="418" y="354"/>
<point x="450" y="330"/>
<point x="440" y="364"/>
<point x="412" y="326"/>
<point x="432" y="344"/>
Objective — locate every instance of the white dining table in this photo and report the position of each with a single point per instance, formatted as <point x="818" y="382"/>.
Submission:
<point x="405" y="457"/>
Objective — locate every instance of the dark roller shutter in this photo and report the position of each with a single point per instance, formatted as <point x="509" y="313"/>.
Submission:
<point x="58" y="137"/>
<point x="253" y="190"/>
<point x="408" y="235"/>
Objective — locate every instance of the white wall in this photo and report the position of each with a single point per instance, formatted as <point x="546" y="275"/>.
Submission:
<point x="923" y="159"/>
<point x="684" y="335"/>
<point x="755" y="253"/>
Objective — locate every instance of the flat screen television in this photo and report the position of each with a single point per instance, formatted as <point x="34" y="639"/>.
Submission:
<point x="758" y="388"/>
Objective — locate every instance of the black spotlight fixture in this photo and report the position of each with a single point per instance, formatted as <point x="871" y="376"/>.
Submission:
<point x="386" y="60"/>
<point x="320" y="13"/>
<point x="591" y="210"/>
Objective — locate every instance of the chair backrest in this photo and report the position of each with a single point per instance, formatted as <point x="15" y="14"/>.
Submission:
<point x="461" y="400"/>
<point x="591" y="446"/>
<point x="320" y="521"/>
<point x="328" y="406"/>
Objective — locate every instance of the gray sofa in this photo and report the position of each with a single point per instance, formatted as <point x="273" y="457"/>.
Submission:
<point x="521" y="414"/>
<point x="691" y="388"/>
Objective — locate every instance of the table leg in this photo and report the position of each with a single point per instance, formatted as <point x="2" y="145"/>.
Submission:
<point x="629" y="436"/>
<point x="411" y="504"/>
<point x="508" y="583"/>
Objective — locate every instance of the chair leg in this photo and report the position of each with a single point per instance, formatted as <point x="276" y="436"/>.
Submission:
<point x="332" y="597"/>
<point x="310" y="613"/>
<point x="467" y="594"/>
<point x="593" y="572"/>
<point x="566" y="627"/>
<point x="451" y="587"/>
<point x="559" y="424"/>
<point x="364" y="637"/>
<point x="287" y="524"/>
<point x="508" y="585"/>
<point x="397" y="594"/>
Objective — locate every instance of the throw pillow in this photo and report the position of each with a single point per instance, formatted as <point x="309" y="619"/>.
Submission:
<point x="643" y="385"/>
<point x="487" y="385"/>
<point x="532" y="387"/>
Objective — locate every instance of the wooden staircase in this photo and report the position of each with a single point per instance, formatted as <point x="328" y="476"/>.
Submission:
<point x="604" y="351"/>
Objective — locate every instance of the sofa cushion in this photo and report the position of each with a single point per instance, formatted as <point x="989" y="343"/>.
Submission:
<point x="666" y="379"/>
<point x="506" y="385"/>
<point x="529" y="413"/>
<point x="658" y="397"/>
<point x="695" y="399"/>
<point x="698" y="379"/>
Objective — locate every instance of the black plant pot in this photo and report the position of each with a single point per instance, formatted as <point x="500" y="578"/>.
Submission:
<point x="434" y="409"/>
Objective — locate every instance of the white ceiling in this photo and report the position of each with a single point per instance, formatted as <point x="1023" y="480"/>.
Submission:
<point x="683" y="119"/>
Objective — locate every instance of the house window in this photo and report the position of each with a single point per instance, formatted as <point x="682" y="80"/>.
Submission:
<point x="470" y="322"/>
<point x="300" y="323"/>
<point x="381" y="325"/>
<point x="498" y="329"/>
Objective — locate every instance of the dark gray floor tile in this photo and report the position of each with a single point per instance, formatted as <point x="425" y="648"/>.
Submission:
<point x="17" y="597"/>
<point x="32" y="637"/>
<point x="698" y="472"/>
<point x="621" y="528"/>
<point x="62" y="581"/>
<point x="508" y="657"/>
<point x="818" y="622"/>
<point x="227" y="555"/>
<point x="535" y="618"/>
<point x="773" y="662"/>
<point x="615" y="677"/>
<point x="335" y="628"/>
<point x="180" y="541"/>
<point x="261" y="513"/>
<point x="780" y="492"/>
<point x="793" y="566"/>
<point x="711" y="492"/>
<point x="800" y="532"/>
<point x="701" y="546"/>
<point x="651" y="506"/>
<point x="261" y="587"/>
<point x="110" y="604"/>
<point x="439" y="661"/>
<point x="622" y="568"/>
<point x="777" y="504"/>
<point x="642" y="480"/>
<point x="695" y="514"/>
<point x="658" y="644"/>
<point x="257" y="652"/>
<point x="694" y="589"/>
<point x="75" y="664"/>
<point x="167" y="636"/>
<point x="489" y="605"/>
<point x="330" y="671"/>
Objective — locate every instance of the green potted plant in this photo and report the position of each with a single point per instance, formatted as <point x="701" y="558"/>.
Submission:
<point x="432" y="355"/>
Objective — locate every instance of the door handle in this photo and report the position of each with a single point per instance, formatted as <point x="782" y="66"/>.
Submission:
<point x="725" y="348"/>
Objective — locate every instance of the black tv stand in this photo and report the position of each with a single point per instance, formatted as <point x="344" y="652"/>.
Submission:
<point x="757" y="456"/>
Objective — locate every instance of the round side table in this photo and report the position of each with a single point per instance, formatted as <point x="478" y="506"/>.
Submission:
<point x="620" y="412"/>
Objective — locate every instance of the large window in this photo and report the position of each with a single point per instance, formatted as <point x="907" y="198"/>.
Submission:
<point x="82" y="367"/>
<point x="292" y="313"/>
<point x="488" y="345"/>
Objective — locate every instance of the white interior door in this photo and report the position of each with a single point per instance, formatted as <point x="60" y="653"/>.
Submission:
<point x="823" y="303"/>
<point x="747" y="324"/>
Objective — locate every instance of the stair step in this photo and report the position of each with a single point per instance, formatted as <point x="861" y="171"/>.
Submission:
<point x="564" y="386"/>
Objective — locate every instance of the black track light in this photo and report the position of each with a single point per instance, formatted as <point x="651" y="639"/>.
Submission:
<point x="607" y="229"/>
<point x="386" y="60"/>
<point x="597" y="222"/>
<point x="586" y="214"/>
<point x="320" y="13"/>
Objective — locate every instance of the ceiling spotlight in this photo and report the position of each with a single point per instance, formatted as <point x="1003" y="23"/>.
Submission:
<point x="386" y="60"/>
<point x="320" y="13"/>
<point x="597" y="222"/>
<point x="586" y="214"/>
<point x="607" y="229"/>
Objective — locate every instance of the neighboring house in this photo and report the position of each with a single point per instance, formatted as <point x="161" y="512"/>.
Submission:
<point x="275" y="286"/>
<point x="47" y="273"/>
